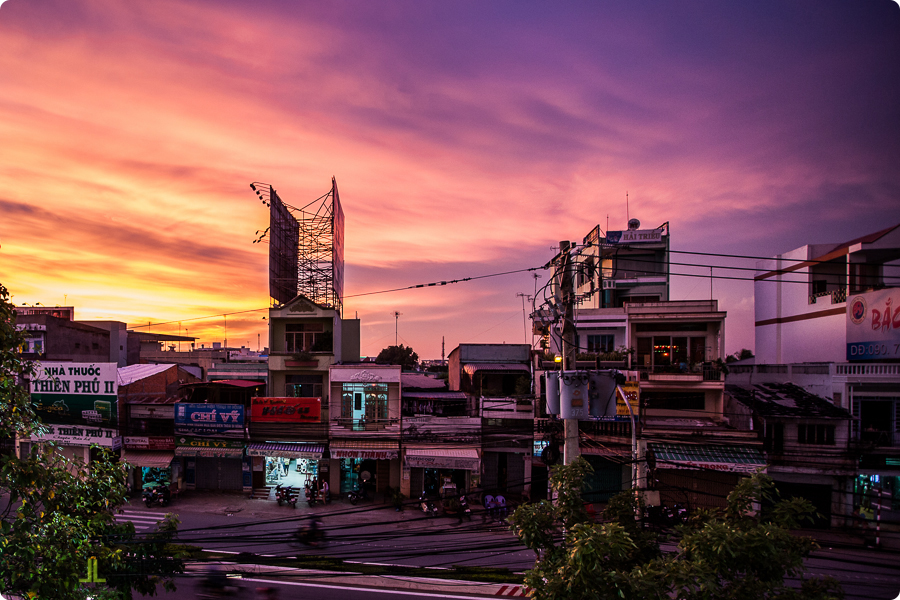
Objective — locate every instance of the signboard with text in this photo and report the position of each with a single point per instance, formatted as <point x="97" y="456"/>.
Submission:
<point x="873" y="325"/>
<point x="285" y="410"/>
<point x="208" y="448"/>
<point x="80" y="435"/>
<point x="634" y="236"/>
<point x="220" y="420"/>
<point x="149" y="442"/>
<point x="76" y="393"/>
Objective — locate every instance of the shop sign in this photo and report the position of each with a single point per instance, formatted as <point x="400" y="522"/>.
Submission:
<point x="368" y="375"/>
<point x="149" y="443"/>
<point x="207" y="447"/>
<point x="221" y="420"/>
<point x="285" y="410"/>
<point x="364" y="454"/>
<point x="873" y="325"/>
<point x="443" y="462"/>
<point x="151" y="411"/>
<point x="80" y="435"/>
<point x="711" y="466"/>
<point x="631" y="389"/>
<point x="427" y="428"/>
<point x="66" y="392"/>
<point x="634" y="236"/>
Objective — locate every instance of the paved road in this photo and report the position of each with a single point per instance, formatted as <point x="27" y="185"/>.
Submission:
<point x="367" y="535"/>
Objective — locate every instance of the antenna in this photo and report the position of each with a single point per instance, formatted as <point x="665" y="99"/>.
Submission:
<point x="442" y="349"/>
<point x="396" y="323"/>
<point x="524" y="320"/>
<point x="627" y="216"/>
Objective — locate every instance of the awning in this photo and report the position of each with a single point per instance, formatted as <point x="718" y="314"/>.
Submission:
<point x="369" y="449"/>
<point x="472" y="367"/>
<point x="285" y="450"/>
<point x="161" y="459"/>
<point x="443" y="458"/>
<point x="714" y="457"/>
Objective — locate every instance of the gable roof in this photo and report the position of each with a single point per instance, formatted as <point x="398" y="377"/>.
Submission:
<point x="785" y="400"/>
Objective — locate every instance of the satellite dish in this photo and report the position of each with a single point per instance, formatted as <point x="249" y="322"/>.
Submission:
<point x="634" y="224"/>
<point x="365" y="476"/>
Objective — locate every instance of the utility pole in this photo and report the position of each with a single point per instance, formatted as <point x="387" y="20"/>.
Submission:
<point x="396" y="324"/>
<point x="524" y="319"/>
<point x="571" y="449"/>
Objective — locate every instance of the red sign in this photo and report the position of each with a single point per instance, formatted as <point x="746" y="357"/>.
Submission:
<point x="285" y="410"/>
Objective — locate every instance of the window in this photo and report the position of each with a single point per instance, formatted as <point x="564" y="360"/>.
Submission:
<point x="600" y="343"/>
<point x="303" y="386"/>
<point x="815" y="434"/>
<point x="775" y="438"/>
<point x="364" y="406"/>
<point x="303" y="337"/>
<point x="33" y="345"/>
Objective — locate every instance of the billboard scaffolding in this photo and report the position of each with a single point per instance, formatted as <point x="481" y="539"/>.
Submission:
<point x="306" y="247"/>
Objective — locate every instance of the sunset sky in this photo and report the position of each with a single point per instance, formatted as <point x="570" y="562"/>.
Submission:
<point x="467" y="138"/>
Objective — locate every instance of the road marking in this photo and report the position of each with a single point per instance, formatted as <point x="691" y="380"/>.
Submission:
<point x="514" y="590"/>
<point x="140" y="519"/>
<point x="372" y="590"/>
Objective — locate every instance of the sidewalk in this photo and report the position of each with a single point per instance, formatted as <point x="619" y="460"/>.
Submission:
<point x="239" y="504"/>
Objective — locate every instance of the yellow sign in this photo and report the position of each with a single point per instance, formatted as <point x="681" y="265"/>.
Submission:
<point x="632" y="389"/>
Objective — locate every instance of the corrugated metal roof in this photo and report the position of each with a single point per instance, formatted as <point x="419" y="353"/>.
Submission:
<point x="785" y="400"/>
<point x="707" y="453"/>
<point x="421" y="381"/>
<point x="131" y="373"/>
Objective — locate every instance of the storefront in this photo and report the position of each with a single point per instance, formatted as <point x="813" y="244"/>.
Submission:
<point x="874" y="489"/>
<point x="287" y="440"/>
<point x="701" y="475"/>
<point x="431" y="468"/>
<point x="212" y="464"/>
<point x="374" y="461"/>
<point x="152" y="460"/>
<point x="285" y="463"/>
<point x="209" y="441"/>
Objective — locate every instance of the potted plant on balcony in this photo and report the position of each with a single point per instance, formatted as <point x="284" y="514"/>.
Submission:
<point x="301" y="359"/>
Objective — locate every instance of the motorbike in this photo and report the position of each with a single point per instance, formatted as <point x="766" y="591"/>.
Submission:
<point x="464" y="510"/>
<point x="311" y="535"/>
<point x="157" y="494"/>
<point x="285" y="495"/>
<point x="357" y="494"/>
<point x="218" y="585"/>
<point x="427" y="506"/>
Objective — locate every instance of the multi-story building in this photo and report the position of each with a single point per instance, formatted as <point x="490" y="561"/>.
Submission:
<point x="498" y="377"/>
<point x="624" y="319"/>
<point x="826" y="320"/>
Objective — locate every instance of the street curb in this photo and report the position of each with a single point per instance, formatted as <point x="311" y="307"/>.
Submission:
<point x="394" y="582"/>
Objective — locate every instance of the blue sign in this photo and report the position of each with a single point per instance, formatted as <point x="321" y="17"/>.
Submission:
<point x="220" y="420"/>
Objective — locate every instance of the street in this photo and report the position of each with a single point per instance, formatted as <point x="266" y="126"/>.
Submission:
<point x="371" y="535"/>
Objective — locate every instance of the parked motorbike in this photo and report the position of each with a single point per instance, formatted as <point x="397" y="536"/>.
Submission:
<point x="357" y="494"/>
<point x="285" y="494"/>
<point x="157" y="494"/>
<point x="464" y="510"/>
<point x="427" y="506"/>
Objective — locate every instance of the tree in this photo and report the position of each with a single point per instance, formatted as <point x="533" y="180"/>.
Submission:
<point x="738" y="553"/>
<point x="399" y="355"/>
<point x="742" y="354"/>
<point x="58" y="519"/>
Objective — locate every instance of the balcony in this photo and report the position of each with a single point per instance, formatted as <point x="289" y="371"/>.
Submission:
<point x="874" y="370"/>
<point x="837" y="296"/>
<point x="877" y="439"/>
<point x="371" y="425"/>
<point x="507" y="408"/>
<point x="696" y="372"/>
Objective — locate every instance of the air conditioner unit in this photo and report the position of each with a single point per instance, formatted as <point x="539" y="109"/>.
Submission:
<point x="609" y="284"/>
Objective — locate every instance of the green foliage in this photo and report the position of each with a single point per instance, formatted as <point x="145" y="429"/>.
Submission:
<point x="58" y="512"/>
<point x="738" y="553"/>
<point x="399" y="355"/>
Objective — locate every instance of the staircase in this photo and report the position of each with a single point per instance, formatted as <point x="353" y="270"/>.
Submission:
<point x="260" y="493"/>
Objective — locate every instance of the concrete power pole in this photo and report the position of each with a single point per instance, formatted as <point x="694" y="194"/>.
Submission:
<point x="571" y="447"/>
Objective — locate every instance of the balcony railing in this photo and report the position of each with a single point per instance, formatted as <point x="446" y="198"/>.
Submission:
<point x="870" y="369"/>
<point x="365" y="424"/>
<point x="879" y="439"/>
<point x="675" y="373"/>
<point x="837" y="296"/>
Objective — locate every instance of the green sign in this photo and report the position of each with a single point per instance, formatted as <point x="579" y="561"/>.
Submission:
<point x="78" y="393"/>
